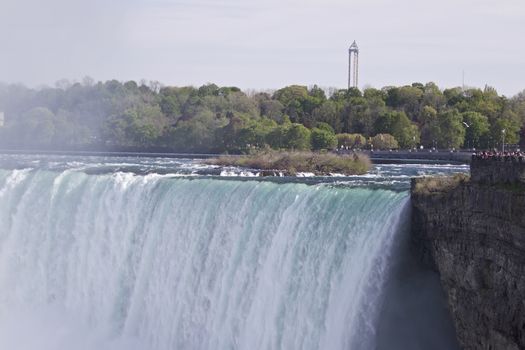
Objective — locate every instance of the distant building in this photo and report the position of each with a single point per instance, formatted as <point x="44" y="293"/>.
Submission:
<point x="2" y="119"/>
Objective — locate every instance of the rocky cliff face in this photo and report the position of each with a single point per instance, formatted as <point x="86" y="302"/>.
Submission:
<point x="473" y="234"/>
<point x="494" y="171"/>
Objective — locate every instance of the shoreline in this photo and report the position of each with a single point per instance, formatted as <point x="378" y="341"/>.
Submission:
<point x="377" y="157"/>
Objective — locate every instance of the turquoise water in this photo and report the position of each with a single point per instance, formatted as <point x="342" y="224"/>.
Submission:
<point x="121" y="259"/>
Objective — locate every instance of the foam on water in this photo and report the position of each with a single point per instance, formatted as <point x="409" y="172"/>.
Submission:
<point x="120" y="261"/>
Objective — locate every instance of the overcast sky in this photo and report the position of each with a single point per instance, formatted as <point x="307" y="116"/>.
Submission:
<point x="265" y="43"/>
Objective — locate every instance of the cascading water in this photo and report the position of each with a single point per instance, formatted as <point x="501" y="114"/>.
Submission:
<point x="125" y="261"/>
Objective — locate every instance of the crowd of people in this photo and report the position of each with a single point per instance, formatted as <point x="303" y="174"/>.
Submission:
<point x="514" y="156"/>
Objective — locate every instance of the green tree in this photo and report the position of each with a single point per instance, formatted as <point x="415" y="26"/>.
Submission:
<point x="517" y="104"/>
<point x="227" y="137"/>
<point x="297" y="137"/>
<point x="397" y="124"/>
<point x="277" y="138"/>
<point x="451" y="129"/>
<point x="507" y="128"/>
<point x="317" y="93"/>
<point x="328" y="113"/>
<point x="323" y="139"/>
<point x="407" y="98"/>
<point x="197" y="134"/>
<point x="477" y="128"/>
<point x="356" y="118"/>
<point x="254" y="134"/>
<point x="433" y="97"/>
<point x="139" y="126"/>
<point x="522" y="136"/>
<point x="272" y="109"/>
<point x="375" y="107"/>
<point x="430" y="131"/>
<point x="325" y="126"/>
<point x="293" y="99"/>
<point x="36" y="127"/>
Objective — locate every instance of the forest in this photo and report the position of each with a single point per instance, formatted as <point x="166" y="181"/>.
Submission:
<point x="115" y="115"/>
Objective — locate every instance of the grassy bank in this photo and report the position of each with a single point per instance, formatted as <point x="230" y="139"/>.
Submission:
<point x="436" y="184"/>
<point x="292" y="163"/>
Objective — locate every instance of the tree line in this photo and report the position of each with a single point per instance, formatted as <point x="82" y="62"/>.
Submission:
<point x="112" y="114"/>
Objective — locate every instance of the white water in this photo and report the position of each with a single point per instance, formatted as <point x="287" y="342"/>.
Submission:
<point x="120" y="261"/>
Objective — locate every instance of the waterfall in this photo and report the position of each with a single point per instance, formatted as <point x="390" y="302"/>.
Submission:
<point x="150" y="261"/>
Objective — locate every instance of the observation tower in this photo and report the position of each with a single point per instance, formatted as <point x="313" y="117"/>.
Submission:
<point x="353" y="65"/>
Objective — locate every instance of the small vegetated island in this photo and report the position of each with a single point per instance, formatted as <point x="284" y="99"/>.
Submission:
<point x="290" y="163"/>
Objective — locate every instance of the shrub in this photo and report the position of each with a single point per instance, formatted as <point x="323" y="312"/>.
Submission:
<point x="384" y="141"/>
<point x="352" y="141"/>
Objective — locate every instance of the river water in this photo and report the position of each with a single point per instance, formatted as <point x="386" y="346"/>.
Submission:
<point x="153" y="253"/>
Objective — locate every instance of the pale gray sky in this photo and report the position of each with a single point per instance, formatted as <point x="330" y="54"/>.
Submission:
<point x="265" y="44"/>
